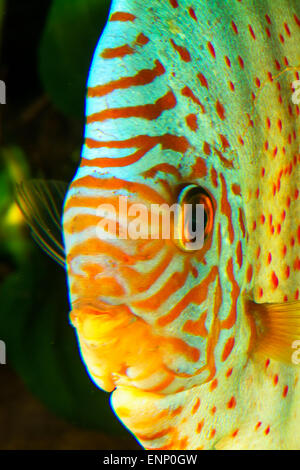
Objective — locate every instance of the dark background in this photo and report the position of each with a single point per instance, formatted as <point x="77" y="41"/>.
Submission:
<point x="47" y="400"/>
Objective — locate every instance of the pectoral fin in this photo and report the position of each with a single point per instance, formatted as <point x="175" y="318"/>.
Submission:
<point x="277" y="328"/>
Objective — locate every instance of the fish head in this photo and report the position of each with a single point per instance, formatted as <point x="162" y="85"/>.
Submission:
<point x="154" y="309"/>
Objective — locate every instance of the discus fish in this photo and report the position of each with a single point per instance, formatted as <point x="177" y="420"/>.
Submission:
<point x="191" y="100"/>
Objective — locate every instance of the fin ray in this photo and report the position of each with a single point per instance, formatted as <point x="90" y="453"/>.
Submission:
<point x="277" y="328"/>
<point x="41" y="204"/>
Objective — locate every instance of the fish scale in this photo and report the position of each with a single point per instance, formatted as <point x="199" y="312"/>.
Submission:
<point x="183" y="93"/>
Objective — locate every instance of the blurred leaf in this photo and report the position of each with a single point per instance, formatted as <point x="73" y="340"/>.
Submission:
<point x="70" y="37"/>
<point x="42" y="347"/>
<point x="13" y="167"/>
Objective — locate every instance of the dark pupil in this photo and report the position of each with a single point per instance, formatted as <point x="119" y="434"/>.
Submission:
<point x="194" y="218"/>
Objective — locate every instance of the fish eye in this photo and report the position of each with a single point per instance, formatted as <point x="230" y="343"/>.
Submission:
<point x="188" y="221"/>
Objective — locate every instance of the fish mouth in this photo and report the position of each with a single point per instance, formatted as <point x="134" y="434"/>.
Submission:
<point x="108" y="342"/>
<point x="121" y="350"/>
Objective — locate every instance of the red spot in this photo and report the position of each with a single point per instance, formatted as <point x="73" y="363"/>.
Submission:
<point x="141" y="40"/>
<point x="269" y="258"/>
<point x="199" y="169"/>
<point x="192" y="13"/>
<point x="227" y="61"/>
<point x="174" y="3"/>
<point x="182" y="51"/>
<point x="234" y="27"/>
<point x="297" y="20"/>
<point x="297" y="264"/>
<point x="214" y="177"/>
<point x="285" y="391"/>
<point x="260" y="292"/>
<point x="206" y="148"/>
<point x="274" y="280"/>
<point x="268" y="19"/>
<point x="225" y="143"/>
<point x="236" y="189"/>
<point x="287" y="29"/>
<point x="211" y="49"/>
<point x="202" y="79"/>
<point x="275" y="380"/>
<point x="220" y="110"/>
<point x="122" y="16"/>
<point x="191" y="121"/>
<point x="227" y="348"/>
<point x="232" y="403"/>
<point x="187" y="92"/>
<point x="196" y="406"/>
<point x="239" y="254"/>
<point x="251" y="31"/>
<point x="287" y="272"/>
<point x="284" y="250"/>
<point x="257" y="82"/>
<point x="258" y="425"/>
<point x="249" y="273"/>
<point x="267" y="363"/>
<point x="229" y="372"/>
<point x="235" y="433"/>
<point x="241" y="62"/>
<point x="199" y="426"/>
<point x="267" y="430"/>
<point x="213" y="385"/>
